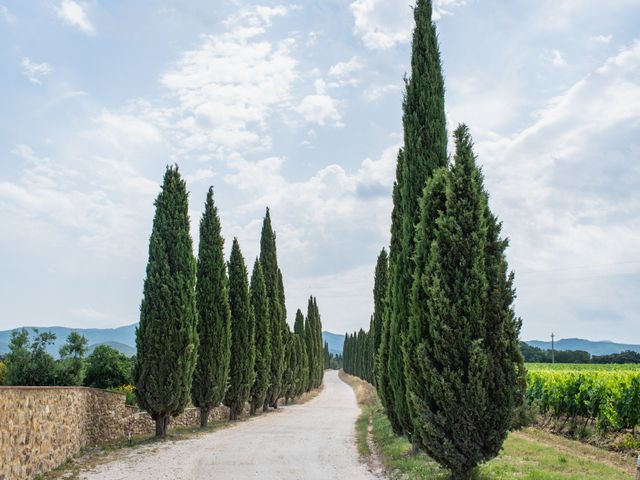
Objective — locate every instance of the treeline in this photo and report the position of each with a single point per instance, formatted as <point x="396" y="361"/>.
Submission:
<point x="358" y="355"/>
<point x="534" y="354"/>
<point x="443" y="348"/>
<point x="208" y="333"/>
<point x="28" y="363"/>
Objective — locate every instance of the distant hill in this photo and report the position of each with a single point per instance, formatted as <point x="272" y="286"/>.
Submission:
<point x="128" y="350"/>
<point x="335" y="342"/>
<point x="603" y="347"/>
<point x="121" y="338"/>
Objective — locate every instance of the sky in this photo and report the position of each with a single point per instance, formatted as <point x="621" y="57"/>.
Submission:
<point x="297" y="106"/>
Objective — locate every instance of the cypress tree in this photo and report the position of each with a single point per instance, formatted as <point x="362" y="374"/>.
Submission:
<point x="463" y="327"/>
<point x="291" y="361"/>
<point x="298" y="328"/>
<point x="379" y="307"/>
<point x="242" y="364"/>
<point x="214" y="324"/>
<point x="260" y="305"/>
<point x="425" y="143"/>
<point x="310" y="343"/>
<point x="269" y="262"/>
<point x="326" y="356"/>
<point x="167" y="337"/>
<point x="383" y="385"/>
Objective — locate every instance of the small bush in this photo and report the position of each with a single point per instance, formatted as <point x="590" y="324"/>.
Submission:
<point x="129" y="391"/>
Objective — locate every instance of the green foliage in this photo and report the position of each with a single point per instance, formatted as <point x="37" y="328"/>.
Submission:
<point x="167" y="337"/>
<point x="383" y="384"/>
<point x="627" y="356"/>
<point x="129" y="391"/>
<point x="71" y="367"/>
<point x="273" y="280"/>
<point x="380" y="286"/>
<point x="292" y="368"/>
<point x="313" y="340"/>
<point x="299" y="330"/>
<point x="107" y="368"/>
<point x="30" y="364"/>
<point x="260" y="305"/>
<point x="241" y="368"/>
<point x="533" y="354"/>
<point x="470" y="374"/>
<point x="3" y="373"/>
<point x="214" y="317"/>
<point x="425" y="150"/>
<point x="608" y="394"/>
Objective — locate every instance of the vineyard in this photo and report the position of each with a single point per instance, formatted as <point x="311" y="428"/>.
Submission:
<point x="608" y="395"/>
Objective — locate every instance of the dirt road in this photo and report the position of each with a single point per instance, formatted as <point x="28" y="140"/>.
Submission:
<point x="315" y="440"/>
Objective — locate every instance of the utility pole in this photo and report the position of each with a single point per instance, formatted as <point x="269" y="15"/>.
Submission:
<point x="553" y="352"/>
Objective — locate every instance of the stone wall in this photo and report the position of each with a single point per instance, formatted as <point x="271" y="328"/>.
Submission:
<point x="40" y="427"/>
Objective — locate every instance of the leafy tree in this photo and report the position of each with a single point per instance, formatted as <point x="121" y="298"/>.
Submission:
<point x="71" y="368"/>
<point x="628" y="356"/>
<point x="167" y="337"/>
<point x="269" y="263"/>
<point x="107" y="368"/>
<point x="260" y="304"/>
<point x="3" y="373"/>
<point x="214" y="317"/>
<point x="463" y="330"/>
<point x="30" y="364"/>
<point x="298" y="328"/>
<point x="243" y="357"/>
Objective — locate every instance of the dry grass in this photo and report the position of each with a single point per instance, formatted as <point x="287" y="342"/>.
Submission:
<point x="365" y="392"/>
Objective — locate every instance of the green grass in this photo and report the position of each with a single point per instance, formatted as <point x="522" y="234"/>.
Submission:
<point x="527" y="455"/>
<point x="362" y="432"/>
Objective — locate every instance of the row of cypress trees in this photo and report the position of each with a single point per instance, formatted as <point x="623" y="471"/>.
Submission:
<point x="443" y="341"/>
<point x="209" y="334"/>
<point x="358" y="355"/>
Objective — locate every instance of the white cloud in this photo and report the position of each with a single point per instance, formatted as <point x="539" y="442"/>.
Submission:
<point x="320" y="109"/>
<point x="345" y="69"/>
<point x="557" y="59"/>
<point x="375" y="92"/>
<point x="228" y="87"/>
<point x="74" y="14"/>
<point x="606" y="39"/>
<point x="35" y="71"/>
<point x="6" y="14"/>
<point x="382" y="24"/>
<point x="568" y="181"/>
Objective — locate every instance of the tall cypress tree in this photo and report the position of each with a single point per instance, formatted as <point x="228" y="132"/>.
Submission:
<point x="425" y="143"/>
<point x="260" y="305"/>
<point x="291" y="366"/>
<point x="242" y="364"/>
<point x="214" y="324"/>
<point x="269" y="262"/>
<point x="383" y="386"/>
<point x="167" y="337"/>
<point x="379" y="306"/>
<point x="308" y="331"/>
<point x="298" y="328"/>
<point x="464" y="331"/>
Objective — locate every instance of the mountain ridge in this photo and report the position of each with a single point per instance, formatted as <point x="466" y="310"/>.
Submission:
<point x="124" y="339"/>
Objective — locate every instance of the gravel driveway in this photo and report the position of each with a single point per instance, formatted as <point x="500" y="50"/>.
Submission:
<point x="315" y="440"/>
